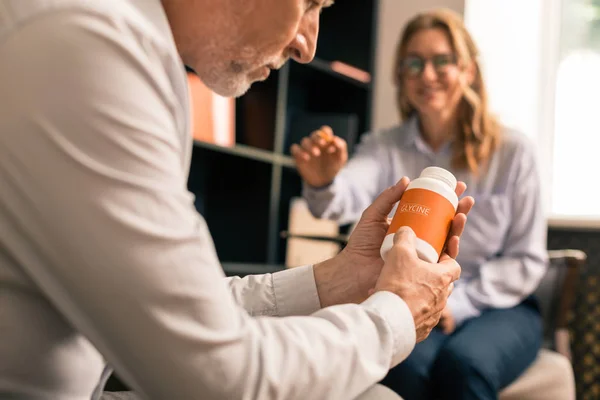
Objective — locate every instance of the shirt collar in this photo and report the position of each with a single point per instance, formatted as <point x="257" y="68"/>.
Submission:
<point x="414" y="139"/>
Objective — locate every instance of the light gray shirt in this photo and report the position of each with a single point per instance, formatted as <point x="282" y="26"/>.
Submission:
<point x="103" y="257"/>
<point x="503" y="249"/>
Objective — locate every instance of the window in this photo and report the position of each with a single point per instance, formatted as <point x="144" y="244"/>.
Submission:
<point x="541" y="61"/>
<point x="576" y="155"/>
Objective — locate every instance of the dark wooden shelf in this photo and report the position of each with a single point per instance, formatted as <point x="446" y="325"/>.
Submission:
<point x="249" y="152"/>
<point x="325" y="66"/>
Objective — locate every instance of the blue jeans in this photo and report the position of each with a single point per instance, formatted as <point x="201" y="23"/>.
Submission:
<point x="483" y="356"/>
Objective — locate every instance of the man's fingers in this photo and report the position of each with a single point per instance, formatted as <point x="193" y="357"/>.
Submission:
<point x="458" y="225"/>
<point x="434" y="319"/>
<point x="383" y="204"/>
<point x="452" y="247"/>
<point x="405" y="236"/>
<point x="460" y="188"/>
<point x="439" y="307"/>
<point x="456" y="229"/>
<point x="449" y="267"/>
<point x="465" y="204"/>
<point x="404" y="245"/>
<point x="444" y="257"/>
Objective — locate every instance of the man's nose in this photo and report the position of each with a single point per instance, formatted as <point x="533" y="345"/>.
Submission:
<point x="303" y="46"/>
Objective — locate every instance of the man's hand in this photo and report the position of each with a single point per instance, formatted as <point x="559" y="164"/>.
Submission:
<point x="424" y="286"/>
<point x="447" y="322"/>
<point x="352" y="274"/>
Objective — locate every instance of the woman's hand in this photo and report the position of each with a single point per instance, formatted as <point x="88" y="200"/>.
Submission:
<point x="320" y="157"/>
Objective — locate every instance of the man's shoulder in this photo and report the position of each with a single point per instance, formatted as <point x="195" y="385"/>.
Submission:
<point x="120" y="14"/>
<point x="18" y="12"/>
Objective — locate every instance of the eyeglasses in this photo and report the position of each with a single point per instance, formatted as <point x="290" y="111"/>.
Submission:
<point x="413" y="66"/>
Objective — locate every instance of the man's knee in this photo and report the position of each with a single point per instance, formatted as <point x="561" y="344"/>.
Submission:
<point x="378" y="392"/>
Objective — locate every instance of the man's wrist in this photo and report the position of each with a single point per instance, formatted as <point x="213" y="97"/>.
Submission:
<point x="338" y="281"/>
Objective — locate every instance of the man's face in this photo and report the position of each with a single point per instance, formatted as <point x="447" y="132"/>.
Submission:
<point x="248" y="39"/>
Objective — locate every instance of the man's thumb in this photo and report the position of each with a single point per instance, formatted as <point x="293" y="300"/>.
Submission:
<point x="405" y="236"/>
<point x="383" y="204"/>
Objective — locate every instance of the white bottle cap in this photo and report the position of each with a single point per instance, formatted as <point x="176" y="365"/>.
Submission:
<point x="440" y="174"/>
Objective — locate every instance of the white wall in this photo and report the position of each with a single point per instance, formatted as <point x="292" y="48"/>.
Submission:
<point x="510" y="57"/>
<point x="393" y="14"/>
<point x="518" y="65"/>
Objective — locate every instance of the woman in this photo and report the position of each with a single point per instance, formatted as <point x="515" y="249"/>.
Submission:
<point x="490" y="331"/>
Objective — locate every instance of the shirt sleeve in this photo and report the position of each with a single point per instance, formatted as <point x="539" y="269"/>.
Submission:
<point x="354" y="188"/>
<point x="93" y="156"/>
<point x="285" y="293"/>
<point x="506" y="280"/>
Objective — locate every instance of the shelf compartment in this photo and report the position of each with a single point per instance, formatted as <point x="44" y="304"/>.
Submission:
<point x="347" y="32"/>
<point x="233" y="195"/>
<point x="255" y="114"/>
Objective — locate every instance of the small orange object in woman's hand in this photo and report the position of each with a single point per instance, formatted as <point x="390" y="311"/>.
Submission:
<point x="325" y="135"/>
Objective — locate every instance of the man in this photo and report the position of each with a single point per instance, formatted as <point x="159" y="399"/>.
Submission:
<point x="102" y="255"/>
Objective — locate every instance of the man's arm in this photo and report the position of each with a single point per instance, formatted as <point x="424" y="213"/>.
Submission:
<point x="90" y="146"/>
<point x="285" y="293"/>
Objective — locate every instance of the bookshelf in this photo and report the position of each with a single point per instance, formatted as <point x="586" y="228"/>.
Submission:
<point x="244" y="189"/>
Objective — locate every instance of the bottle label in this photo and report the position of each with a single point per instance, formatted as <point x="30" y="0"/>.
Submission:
<point x="428" y="213"/>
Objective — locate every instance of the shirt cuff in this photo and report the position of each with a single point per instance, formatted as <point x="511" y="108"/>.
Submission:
<point x="400" y="320"/>
<point x="323" y="193"/>
<point x="461" y="307"/>
<point x="295" y="291"/>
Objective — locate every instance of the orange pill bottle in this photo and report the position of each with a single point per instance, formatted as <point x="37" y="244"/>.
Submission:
<point x="427" y="206"/>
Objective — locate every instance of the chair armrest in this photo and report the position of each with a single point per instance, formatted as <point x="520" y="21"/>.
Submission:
<point x="572" y="260"/>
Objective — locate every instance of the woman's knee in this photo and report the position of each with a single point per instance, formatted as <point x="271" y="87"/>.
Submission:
<point x="410" y="379"/>
<point x="460" y="368"/>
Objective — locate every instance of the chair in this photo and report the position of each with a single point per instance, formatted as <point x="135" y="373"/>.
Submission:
<point x="550" y="377"/>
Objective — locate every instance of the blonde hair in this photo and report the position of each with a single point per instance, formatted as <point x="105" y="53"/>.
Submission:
<point x="479" y="131"/>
